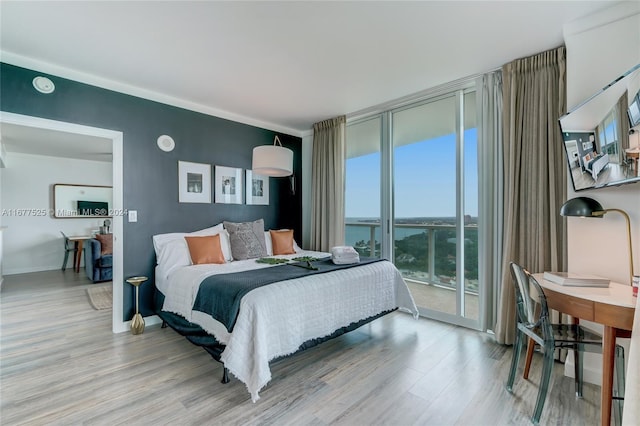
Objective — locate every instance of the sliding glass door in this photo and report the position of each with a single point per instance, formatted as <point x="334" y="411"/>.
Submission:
<point x="424" y="184"/>
<point x="435" y="192"/>
<point x="412" y="197"/>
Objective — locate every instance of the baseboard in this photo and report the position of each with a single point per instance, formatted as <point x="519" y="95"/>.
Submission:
<point x="152" y="320"/>
<point x="590" y="373"/>
<point x="592" y="367"/>
<point x="125" y="326"/>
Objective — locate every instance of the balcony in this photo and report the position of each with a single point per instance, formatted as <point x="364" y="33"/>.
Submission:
<point x="425" y="255"/>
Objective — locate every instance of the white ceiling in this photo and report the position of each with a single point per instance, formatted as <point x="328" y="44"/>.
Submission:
<point x="54" y="143"/>
<point x="280" y="65"/>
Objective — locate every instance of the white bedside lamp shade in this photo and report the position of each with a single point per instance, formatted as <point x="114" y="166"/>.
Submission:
<point x="272" y="160"/>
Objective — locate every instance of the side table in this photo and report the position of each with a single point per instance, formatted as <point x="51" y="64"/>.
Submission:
<point x="137" y="323"/>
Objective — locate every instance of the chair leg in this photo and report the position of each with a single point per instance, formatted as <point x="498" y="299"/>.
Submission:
<point x="618" y="389"/>
<point x="531" y="345"/>
<point x="547" y="368"/>
<point x="64" y="262"/>
<point x="76" y="261"/>
<point x="517" y="348"/>
<point x="578" y="361"/>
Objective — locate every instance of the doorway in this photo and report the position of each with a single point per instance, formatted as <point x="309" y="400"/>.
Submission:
<point x="116" y="138"/>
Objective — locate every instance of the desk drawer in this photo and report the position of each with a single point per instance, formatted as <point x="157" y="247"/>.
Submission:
<point x="574" y="306"/>
<point x="615" y="316"/>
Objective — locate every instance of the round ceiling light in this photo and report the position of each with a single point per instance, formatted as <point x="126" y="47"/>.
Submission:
<point x="43" y="85"/>
<point x="166" y="143"/>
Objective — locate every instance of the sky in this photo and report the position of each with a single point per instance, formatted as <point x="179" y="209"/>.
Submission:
<point x="424" y="180"/>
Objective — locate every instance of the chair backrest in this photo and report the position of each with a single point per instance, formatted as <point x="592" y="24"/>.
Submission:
<point x="67" y="243"/>
<point x="525" y="308"/>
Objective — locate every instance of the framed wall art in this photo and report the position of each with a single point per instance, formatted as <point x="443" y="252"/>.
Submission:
<point x="194" y="182"/>
<point x="229" y="186"/>
<point x="257" y="189"/>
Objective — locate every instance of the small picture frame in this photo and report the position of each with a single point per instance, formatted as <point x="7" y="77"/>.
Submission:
<point x="257" y="189"/>
<point x="194" y="182"/>
<point x="228" y="185"/>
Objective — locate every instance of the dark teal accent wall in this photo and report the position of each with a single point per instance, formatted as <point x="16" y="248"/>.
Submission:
<point x="150" y="180"/>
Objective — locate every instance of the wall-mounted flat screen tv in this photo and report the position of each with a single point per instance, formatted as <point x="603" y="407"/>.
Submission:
<point x="93" y="208"/>
<point x="596" y="135"/>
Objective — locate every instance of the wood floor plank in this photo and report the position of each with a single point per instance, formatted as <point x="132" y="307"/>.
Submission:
<point x="61" y="364"/>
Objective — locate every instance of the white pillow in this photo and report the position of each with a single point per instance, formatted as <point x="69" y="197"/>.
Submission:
<point x="267" y="240"/>
<point x="161" y="240"/>
<point x="172" y="250"/>
<point x="174" y="253"/>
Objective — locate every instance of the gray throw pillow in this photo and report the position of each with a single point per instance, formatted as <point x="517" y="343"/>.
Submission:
<point x="247" y="239"/>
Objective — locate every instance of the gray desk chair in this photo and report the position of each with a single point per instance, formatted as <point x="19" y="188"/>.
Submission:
<point x="627" y="164"/>
<point x="69" y="247"/>
<point x="550" y="336"/>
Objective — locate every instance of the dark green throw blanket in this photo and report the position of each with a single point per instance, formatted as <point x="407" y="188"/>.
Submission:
<point x="220" y="295"/>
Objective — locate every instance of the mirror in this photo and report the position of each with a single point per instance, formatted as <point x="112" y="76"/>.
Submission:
<point x="82" y="201"/>
<point x="601" y="135"/>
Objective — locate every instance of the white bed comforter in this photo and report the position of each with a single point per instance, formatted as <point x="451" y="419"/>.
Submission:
<point x="276" y="319"/>
<point x="598" y="165"/>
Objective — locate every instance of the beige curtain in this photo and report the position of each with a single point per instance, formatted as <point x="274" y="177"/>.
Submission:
<point x="490" y="202"/>
<point x="327" y="184"/>
<point x="535" y="173"/>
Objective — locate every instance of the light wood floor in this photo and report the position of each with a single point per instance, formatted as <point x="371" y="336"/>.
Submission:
<point x="60" y="364"/>
<point x="612" y="172"/>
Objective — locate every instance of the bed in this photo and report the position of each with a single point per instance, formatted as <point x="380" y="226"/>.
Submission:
<point x="594" y="165"/>
<point x="279" y="318"/>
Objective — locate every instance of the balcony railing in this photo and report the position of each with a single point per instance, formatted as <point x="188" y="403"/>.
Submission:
<point x="439" y="268"/>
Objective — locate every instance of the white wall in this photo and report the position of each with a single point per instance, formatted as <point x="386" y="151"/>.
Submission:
<point x="600" y="48"/>
<point x="34" y="243"/>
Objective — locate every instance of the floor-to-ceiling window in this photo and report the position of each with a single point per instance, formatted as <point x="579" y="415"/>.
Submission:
<point x="362" y="191"/>
<point x="412" y="197"/>
<point x="608" y="135"/>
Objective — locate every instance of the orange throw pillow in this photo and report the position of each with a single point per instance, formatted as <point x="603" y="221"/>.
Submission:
<point x="282" y="242"/>
<point x="205" y="249"/>
<point x="106" y="243"/>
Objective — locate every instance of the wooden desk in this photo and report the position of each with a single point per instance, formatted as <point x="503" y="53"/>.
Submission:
<point x="634" y="153"/>
<point x="613" y="307"/>
<point x="78" y="242"/>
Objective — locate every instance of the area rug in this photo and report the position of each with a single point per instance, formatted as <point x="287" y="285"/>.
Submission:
<point x="101" y="298"/>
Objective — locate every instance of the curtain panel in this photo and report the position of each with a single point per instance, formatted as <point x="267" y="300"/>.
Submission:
<point x="327" y="183"/>
<point x="535" y="174"/>
<point x="490" y="200"/>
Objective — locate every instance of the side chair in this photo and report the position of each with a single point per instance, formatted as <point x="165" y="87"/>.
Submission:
<point x="69" y="247"/>
<point x="534" y="324"/>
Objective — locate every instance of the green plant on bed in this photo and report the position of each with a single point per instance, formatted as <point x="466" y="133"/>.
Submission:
<point x="271" y="260"/>
<point x="305" y="259"/>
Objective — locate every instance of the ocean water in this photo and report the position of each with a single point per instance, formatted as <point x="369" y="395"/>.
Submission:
<point x="362" y="231"/>
<point x="353" y="234"/>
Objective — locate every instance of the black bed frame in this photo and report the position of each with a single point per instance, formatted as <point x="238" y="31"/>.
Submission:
<point x="196" y="335"/>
